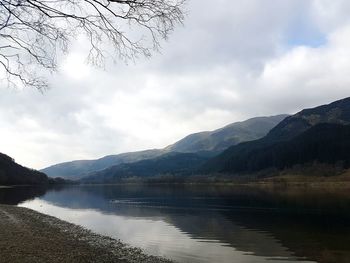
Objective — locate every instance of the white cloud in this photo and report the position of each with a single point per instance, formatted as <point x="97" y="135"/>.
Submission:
<point x="329" y="15"/>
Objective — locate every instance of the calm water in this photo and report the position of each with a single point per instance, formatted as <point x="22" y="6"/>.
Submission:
<point x="206" y="224"/>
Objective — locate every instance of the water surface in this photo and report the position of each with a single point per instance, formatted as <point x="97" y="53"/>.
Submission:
<point x="206" y="224"/>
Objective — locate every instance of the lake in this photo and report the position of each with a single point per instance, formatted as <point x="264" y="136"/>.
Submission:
<point x="206" y="224"/>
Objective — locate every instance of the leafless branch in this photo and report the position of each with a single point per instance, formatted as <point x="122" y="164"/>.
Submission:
<point x="32" y="32"/>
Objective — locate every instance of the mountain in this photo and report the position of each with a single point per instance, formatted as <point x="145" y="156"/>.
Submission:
<point x="12" y="173"/>
<point x="320" y="134"/>
<point x="220" y="139"/>
<point x="78" y="169"/>
<point x="170" y="163"/>
<point x="337" y="112"/>
<point x="324" y="143"/>
<point x="204" y="143"/>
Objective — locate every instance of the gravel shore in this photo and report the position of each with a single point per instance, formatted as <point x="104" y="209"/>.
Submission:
<point x="28" y="236"/>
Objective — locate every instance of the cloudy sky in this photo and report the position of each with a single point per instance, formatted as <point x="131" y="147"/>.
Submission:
<point x="232" y="60"/>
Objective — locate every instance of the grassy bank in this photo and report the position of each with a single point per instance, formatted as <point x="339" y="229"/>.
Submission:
<point x="313" y="175"/>
<point x="341" y="180"/>
<point x="28" y="236"/>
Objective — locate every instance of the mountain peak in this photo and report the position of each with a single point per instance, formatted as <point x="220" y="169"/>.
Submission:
<point x="232" y="134"/>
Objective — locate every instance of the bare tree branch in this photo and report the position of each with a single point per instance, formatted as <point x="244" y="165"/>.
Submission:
<point x="32" y="32"/>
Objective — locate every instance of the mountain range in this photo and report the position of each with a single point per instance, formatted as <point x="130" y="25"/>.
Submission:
<point x="174" y="164"/>
<point x="319" y="134"/>
<point x="316" y="136"/>
<point x="232" y="134"/>
<point x="78" y="169"/>
<point x="204" y="144"/>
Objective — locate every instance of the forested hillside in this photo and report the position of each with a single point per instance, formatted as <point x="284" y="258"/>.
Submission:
<point x="320" y="134"/>
<point x="12" y="173"/>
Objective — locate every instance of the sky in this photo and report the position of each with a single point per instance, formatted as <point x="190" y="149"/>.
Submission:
<point x="231" y="60"/>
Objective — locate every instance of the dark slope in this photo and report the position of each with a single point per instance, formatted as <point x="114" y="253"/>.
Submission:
<point x="337" y="112"/>
<point x="221" y="139"/>
<point x="278" y="149"/>
<point x="12" y="173"/>
<point x="172" y="163"/>
<point x="323" y="143"/>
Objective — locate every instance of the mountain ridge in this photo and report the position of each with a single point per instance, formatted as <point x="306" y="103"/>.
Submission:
<point x="78" y="168"/>
<point x="337" y="112"/>
<point x="178" y="164"/>
<point x="249" y="156"/>
<point x="233" y="133"/>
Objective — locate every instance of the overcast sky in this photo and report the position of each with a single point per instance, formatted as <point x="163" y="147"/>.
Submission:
<point x="232" y="60"/>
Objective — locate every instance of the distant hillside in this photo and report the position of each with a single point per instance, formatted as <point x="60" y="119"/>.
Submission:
<point x="78" y="169"/>
<point x="12" y="173"/>
<point x="221" y="139"/>
<point x="170" y="163"/>
<point x="320" y="134"/>
<point x="204" y="143"/>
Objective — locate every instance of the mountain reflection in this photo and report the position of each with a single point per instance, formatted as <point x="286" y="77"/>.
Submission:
<point x="16" y="195"/>
<point x="282" y="224"/>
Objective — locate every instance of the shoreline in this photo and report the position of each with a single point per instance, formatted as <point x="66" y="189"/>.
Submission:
<point x="29" y="236"/>
<point x="281" y="181"/>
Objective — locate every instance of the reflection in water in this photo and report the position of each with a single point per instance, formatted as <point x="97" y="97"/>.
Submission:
<point x="211" y="224"/>
<point x="16" y="195"/>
